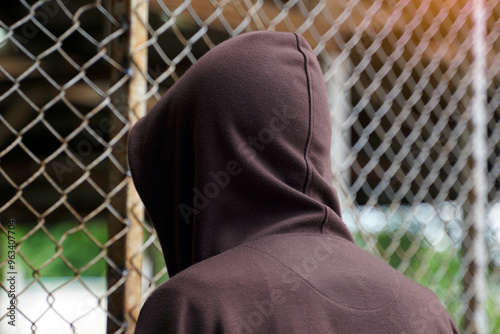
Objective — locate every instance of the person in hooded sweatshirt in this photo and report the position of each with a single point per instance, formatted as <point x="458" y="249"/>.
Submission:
<point x="233" y="166"/>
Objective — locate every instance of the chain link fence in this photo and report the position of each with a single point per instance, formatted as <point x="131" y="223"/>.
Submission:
<point x="414" y="92"/>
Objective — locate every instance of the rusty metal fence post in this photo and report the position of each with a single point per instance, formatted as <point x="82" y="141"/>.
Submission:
<point x="125" y="224"/>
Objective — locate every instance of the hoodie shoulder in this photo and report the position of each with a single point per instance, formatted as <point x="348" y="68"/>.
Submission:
<point x="248" y="290"/>
<point x="184" y="304"/>
<point x="208" y="297"/>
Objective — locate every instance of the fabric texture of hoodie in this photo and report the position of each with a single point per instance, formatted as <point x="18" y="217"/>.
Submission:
<point x="233" y="166"/>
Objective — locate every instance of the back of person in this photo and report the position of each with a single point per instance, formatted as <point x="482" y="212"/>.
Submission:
<point x="233" y="165"/>
<point x="294" y="283"/>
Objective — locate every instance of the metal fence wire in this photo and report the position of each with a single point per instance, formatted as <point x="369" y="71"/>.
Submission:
<point x="414" y="87"/>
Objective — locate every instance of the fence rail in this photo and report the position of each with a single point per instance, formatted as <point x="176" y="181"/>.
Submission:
<point x="414" y="89"/>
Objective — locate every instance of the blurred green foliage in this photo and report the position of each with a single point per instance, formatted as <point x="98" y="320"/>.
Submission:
<point x="78" y="248"/>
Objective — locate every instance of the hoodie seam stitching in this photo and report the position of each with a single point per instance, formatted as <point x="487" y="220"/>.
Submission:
<point x="321" y="293"/>
<point x="325" y="219"/>
<point x="295" y="234"/>
<point x="308" y="179"/>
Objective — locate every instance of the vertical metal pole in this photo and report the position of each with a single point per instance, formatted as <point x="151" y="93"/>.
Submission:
<point x="124" y="272"/>
<point x="137" y="109"/>
<point x="475" y="282"/>
<point x="340" y="109"/>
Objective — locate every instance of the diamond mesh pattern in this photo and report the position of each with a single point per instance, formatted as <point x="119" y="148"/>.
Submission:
<point x="401" y="77"/>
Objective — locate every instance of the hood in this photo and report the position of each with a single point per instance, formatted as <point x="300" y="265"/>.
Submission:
<point x="238" y="149"/>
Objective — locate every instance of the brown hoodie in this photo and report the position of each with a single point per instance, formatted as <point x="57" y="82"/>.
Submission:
<point x="233" y="166"/>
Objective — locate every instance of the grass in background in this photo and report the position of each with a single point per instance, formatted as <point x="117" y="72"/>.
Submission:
<point x="76" y="251"/>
